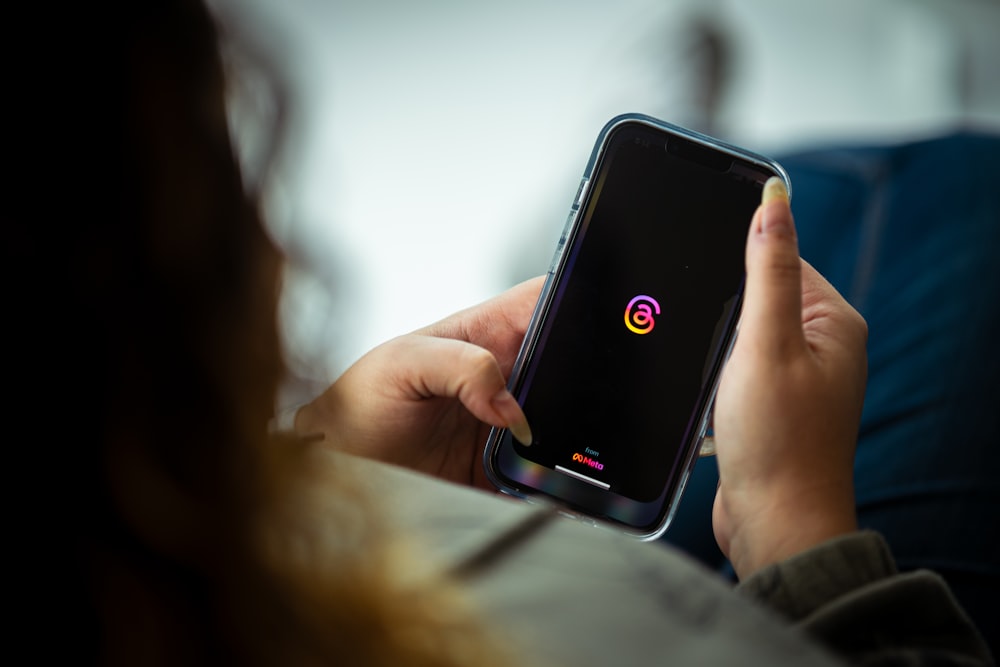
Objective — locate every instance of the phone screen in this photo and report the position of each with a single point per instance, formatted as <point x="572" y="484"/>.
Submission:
<point x="623" y="365"/>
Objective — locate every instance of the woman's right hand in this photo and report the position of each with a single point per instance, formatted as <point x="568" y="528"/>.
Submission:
<point x="789" y="403"/>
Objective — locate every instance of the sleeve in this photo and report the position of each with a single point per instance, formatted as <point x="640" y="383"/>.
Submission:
<point x="848" y="595"/>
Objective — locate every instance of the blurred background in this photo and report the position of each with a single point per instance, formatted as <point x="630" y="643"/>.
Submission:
<point x="416" y="158"/>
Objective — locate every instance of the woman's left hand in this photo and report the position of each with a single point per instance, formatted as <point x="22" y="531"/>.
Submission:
<point x="427" y="400"/>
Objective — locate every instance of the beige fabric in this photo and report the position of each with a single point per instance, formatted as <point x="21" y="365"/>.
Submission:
<point x="565" y="593"/>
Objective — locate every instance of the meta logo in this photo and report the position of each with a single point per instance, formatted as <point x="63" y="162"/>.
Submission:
<point x="639" y="314"/>
<point x="587" y="461"/>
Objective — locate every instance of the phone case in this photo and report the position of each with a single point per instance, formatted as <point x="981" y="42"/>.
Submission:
<point x="555" y="269"/>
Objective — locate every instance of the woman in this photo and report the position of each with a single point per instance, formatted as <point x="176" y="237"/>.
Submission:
<point x="190" y="536"/>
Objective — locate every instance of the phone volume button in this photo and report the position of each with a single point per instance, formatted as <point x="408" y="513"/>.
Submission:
<point x="574" y="210"/>
<point x="581" y="192"/>
<point x="561" y="245"/>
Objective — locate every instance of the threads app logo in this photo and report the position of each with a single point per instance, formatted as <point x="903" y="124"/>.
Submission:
<point x="639" y="314"/>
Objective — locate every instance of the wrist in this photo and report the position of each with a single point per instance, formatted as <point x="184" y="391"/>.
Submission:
<point x="781" y="531"/>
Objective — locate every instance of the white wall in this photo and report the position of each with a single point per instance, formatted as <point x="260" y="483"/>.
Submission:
<point x="437" y="145"/>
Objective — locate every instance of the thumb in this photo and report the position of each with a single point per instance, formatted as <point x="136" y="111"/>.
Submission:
<point x="772" y="308"/>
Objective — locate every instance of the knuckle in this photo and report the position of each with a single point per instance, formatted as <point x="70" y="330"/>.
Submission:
<point x="859" y="326"/>
<point x="862" y="325"/>
<point x="479" y="363"/>
<point x="784" y="268"/>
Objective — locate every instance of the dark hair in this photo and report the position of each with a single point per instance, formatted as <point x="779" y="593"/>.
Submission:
<point x="170" y="528"/>
<point x="169" y="284"/>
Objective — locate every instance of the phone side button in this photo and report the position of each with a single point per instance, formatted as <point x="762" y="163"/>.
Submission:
<point x="581" y="193"/>
<point x="557" y="255"/>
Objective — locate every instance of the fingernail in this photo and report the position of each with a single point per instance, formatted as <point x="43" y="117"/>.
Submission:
<point x="513" y="416"/>
<point x="521" y="433"/>
<point x="775" y="218"/>
<point x="774" y="190"/>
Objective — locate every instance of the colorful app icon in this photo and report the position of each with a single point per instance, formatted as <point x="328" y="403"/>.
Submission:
<point x="639" y="314"/>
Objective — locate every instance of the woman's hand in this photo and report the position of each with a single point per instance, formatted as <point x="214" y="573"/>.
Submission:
<point x="789" y="403"/>
<point x="427" y="400"/>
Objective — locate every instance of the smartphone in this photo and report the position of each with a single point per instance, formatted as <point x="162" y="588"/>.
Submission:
<point x="620" y="363"/>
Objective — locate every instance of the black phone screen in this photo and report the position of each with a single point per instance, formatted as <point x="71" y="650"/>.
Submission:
<point x="643" y="311"/>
